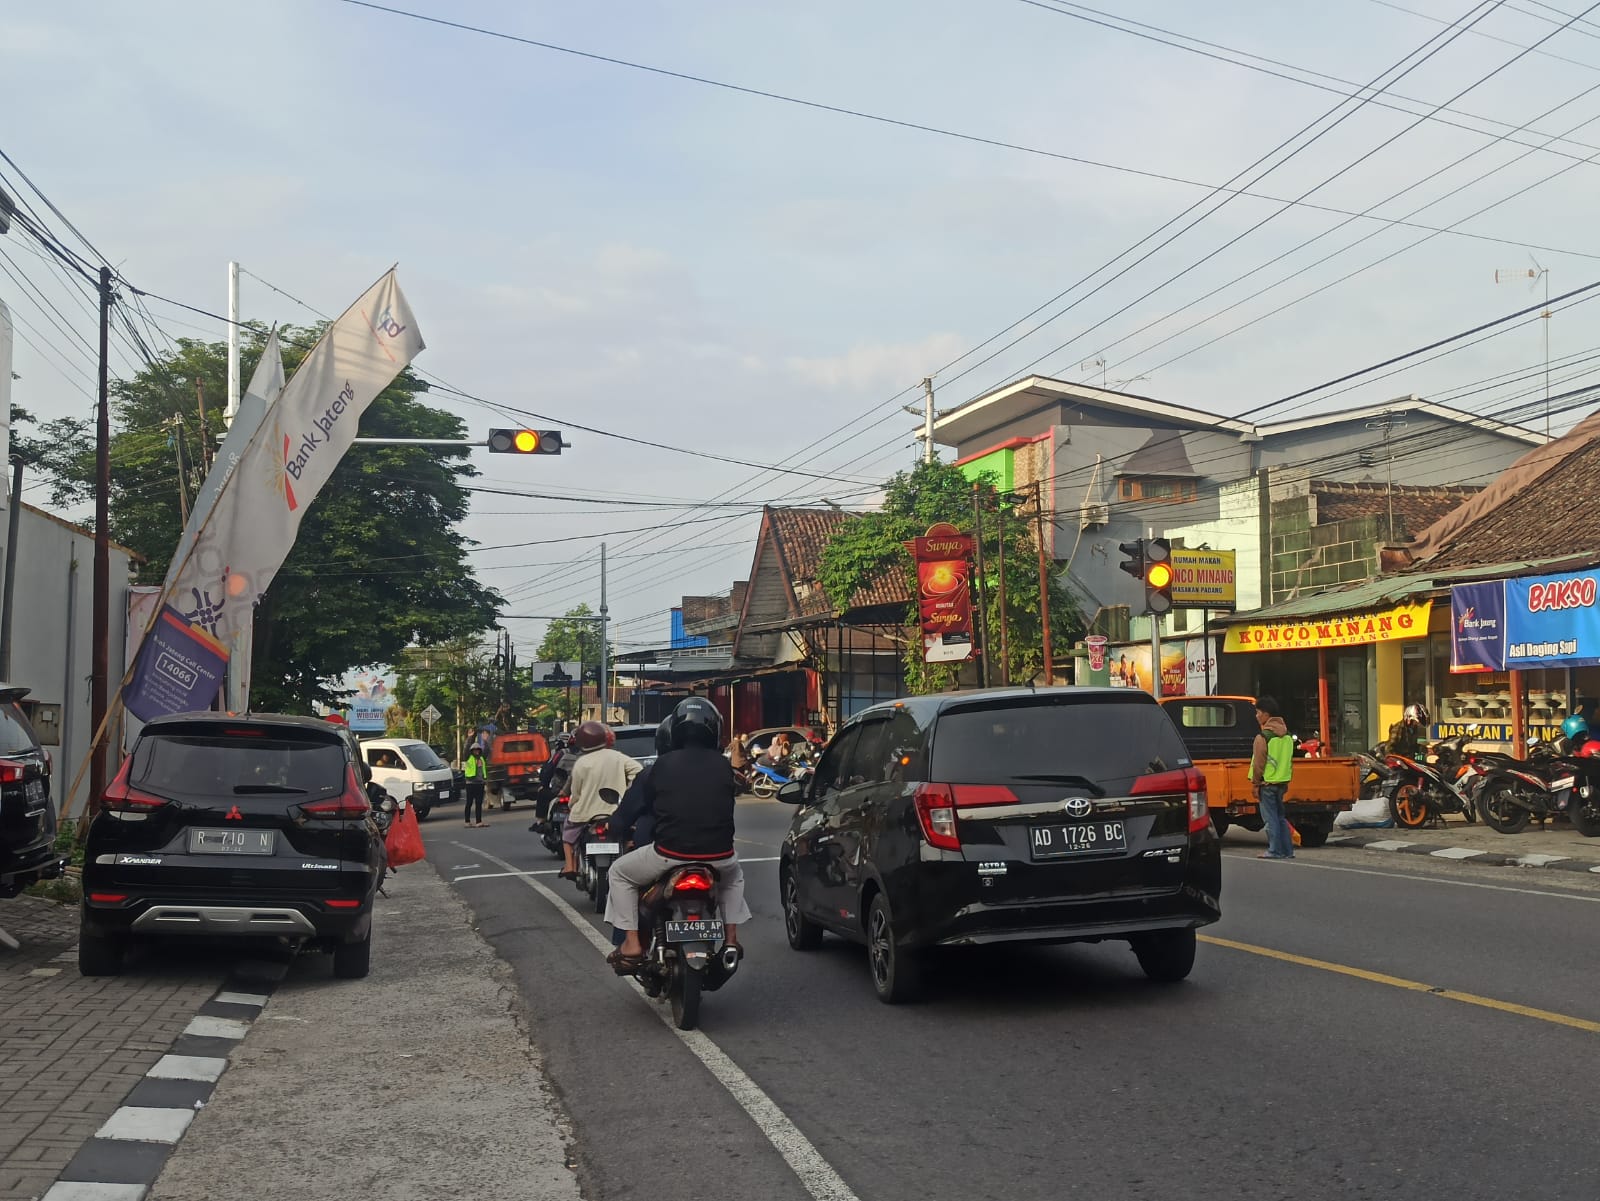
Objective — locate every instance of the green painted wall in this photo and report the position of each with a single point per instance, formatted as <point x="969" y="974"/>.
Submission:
<point x="1000" y="463"/>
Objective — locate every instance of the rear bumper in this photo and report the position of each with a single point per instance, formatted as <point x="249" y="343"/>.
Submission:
<point x="1291" y="808"/>
<point x="17" y="872"/>
<point x="228" y="917"/>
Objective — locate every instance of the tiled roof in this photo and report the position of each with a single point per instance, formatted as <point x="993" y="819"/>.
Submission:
<point x="1538" y="508"/>
<point x="801" y="534"/>
<point x="1415" y="508"/>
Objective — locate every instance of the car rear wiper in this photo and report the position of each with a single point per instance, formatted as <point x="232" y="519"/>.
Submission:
<point x="1054" y="778"/>
<point x="248" y="789"/>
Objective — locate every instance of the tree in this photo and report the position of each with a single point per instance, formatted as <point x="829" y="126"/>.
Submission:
<point x="379" y="564"/>
<point x="870" y="544"/>
<point x="570" y="641"/>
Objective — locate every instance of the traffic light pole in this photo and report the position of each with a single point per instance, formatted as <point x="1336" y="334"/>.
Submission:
<point x="1155" y="655"/>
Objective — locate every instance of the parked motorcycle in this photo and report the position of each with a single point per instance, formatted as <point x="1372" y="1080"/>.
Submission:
<point x="1420" y="792"/>
<point x="765" y="781"/>
<point x="1513" y="791"/>
<point x="1374" y="770"/>
<point x="686" y="953"/>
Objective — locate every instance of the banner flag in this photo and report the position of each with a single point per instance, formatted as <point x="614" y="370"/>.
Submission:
<point x="179" y="669"/>
<point x="252" y="524"/>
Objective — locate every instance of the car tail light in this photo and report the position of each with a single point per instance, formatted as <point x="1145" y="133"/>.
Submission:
<point x="351" y="803"/>
<point x="108" y="898"/>
<point x="342" y="904"/>
<point x="691" y="881"/>
<point x="1190" y="781"/>
<point x="122" y="797"/>
<point x="937" y="805"/>
<point x="11" y="771"/>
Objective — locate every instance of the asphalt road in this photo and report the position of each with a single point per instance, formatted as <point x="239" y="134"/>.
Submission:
<point x="1377" y="1030"/>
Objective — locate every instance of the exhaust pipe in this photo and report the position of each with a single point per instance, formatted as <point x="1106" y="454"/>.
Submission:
<point x="730" y="959"/>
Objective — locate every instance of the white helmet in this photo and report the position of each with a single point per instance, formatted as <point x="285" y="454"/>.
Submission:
<point x="1416" y="715"/>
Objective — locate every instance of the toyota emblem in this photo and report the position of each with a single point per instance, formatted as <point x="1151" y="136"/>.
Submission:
<point x="1077" y="806"/>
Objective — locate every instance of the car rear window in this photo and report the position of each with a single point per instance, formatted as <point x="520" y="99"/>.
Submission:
<point x="638" y="744"/>
<point x="1108" y="741"/>
<point x="16" y="735"/>
<point x="199" y="765"/>
<point x="1206" y="716"/>
<point x="420" y="755"/>
<point x="532" y="745"/>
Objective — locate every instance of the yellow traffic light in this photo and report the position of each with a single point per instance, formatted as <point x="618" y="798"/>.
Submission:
<point x="1158" y="575"/>
<point x="527" y="442"/>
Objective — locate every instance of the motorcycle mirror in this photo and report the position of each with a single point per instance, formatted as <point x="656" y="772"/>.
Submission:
<point x="387" y="804"/>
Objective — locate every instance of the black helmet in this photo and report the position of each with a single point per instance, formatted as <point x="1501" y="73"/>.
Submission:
<point x="695" y="722"/>
<point x="664" y="735"/>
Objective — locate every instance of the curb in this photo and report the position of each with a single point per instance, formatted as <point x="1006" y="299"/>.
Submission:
<point x="1384" y="842"/>
<point x="126" y="1155"/>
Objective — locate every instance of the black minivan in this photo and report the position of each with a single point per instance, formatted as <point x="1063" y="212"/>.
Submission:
<point x="27" y="816"/>
<point x="253" y="826"/>
<point x="1044" y="816"/>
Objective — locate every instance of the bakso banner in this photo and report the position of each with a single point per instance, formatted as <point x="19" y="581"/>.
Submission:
<point x="1547" y="621"/>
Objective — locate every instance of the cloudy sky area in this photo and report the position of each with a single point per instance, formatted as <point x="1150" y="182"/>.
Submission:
<point x="704" y="268"/>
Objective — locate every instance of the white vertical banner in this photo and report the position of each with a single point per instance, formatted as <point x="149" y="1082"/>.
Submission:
<point x="252" y="525"/>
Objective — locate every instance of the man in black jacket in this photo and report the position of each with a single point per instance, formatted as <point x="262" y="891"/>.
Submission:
<point x="690" y="790"/>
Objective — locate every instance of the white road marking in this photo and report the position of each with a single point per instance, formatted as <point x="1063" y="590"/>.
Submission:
<point x="502" y="875"/>
<point x="84" y="1190"/>
<point x="1300" y="862"/>
<point x="1456" y="853"/>
<point x="144" y="1124"/>
<point x="188" y="1067"/>
<point x="242" y="998"/>
<point x="209" y="1027"/>
<point x="815" y="1173"/>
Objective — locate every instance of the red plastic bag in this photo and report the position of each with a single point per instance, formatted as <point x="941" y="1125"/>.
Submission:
<point x="404" y="840"/>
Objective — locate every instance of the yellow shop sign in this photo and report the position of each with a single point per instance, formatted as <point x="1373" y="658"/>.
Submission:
<point x="1346" y="629"/>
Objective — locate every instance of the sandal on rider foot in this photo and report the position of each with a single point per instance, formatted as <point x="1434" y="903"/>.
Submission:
<point x="625" y="965"/>
<point x="565" y="874"/>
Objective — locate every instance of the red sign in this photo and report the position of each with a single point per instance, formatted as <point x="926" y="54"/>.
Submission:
<point x="944" y="593"/>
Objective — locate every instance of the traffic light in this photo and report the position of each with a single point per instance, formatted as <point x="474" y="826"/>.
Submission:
<point x="1134" y="563"/>
<point x="525" y="442"/>
<point x="1158" y="576"/>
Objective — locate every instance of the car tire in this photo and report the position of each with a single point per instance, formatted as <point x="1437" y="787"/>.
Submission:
<point x="1314" y="833"/>
<point x="100" y="954"/>
<point x="1166" y="956"/>
<point x="804" y="934"/>
<point x="352" y="960"/>
<point x="1220" y="821"/>
<point x="897" y="971"/>
<point x="423" y="811"/>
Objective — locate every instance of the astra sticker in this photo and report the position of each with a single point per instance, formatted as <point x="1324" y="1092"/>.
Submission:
<point x="992" y="869"/>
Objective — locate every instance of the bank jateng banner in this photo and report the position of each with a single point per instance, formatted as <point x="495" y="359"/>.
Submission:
<point x="1533" y="621"/>
<point x="300" y="439"/>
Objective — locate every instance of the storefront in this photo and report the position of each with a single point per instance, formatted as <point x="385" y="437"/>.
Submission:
<point x="1521" y="654"/>
<point x="1334" y="661"/>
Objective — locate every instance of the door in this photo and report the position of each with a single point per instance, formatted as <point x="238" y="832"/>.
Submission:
<point x="813" y="837"/>
<point x="865" y="773"/>
<point x="1350" y="718"/>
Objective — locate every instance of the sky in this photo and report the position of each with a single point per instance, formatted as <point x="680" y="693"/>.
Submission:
<point x="706" y="268"/>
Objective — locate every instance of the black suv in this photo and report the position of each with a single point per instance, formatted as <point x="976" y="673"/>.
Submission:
<point x="1049" y="816"/>
<point x="253" y="826"/>
<point x="27" y="816"/>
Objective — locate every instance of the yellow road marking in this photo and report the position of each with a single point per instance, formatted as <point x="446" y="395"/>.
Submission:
<point x="1449" y="994"/>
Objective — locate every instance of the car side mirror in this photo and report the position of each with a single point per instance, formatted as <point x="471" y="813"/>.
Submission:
<point x="793" y="793"/>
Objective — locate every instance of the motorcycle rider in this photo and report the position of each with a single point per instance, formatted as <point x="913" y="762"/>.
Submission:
<point x="691" y="792"/>
<point x="553" y="778"/>
<point x="601" y="769"/>
<point x="1405" y="735"/>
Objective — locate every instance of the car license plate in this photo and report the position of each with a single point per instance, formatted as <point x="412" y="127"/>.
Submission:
<point x="604" y="848"/>
<point x="696" y="931"/>
<point x="1080" y="838"/>
<point x="232" y="842"/>
<point x="447" y="794"/>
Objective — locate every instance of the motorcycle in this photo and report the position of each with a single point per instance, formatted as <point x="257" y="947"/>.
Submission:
<point x="686" y="953"/>
<point x="765" y="781"/>
<point x="1420" y="792"/>
<point x="384" y="809"/>
<point x="549" y="829"/>
<point x="1513" y="791"/>
<point x="1374" y="772"/>
<point x="597" y="851"/>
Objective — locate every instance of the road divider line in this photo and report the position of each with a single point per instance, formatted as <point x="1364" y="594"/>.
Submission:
<point x="802" y="1156"/>
<point x="1300" y="864"/>
<point x="549" y="871"/>
<point x="1448" y="994"/>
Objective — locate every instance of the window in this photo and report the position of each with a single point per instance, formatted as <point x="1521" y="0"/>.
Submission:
<point x="384" y="757"/>
<point x="194" y="765"/>
<point x="871" y="756"/>
<point x="16" y="735"/>
<point x="637" y="744"/>
<point x="1207" y="717"/>
<point x="422" y="756"/>
<point x="1165" y="489"/>
<point x="826" y="780"/>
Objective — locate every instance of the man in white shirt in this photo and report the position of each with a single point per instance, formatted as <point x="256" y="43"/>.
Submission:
<point x="599" y="778"/>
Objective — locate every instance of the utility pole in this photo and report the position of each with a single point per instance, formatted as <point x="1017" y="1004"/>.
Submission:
<point x="13" y="519"/>
<point x="605" y="657"/>
<point x="1044" y="582"/>
<point x="1386" y="421"/>
<point x="927" y="419"/>
<point x="100" y="665"/>
<point x="981" y="627"/>
<point x="1000" y="559"/>
<point x="233" y="345"/>
<point x="176" y="426"/>
<point x="205" y="437"/>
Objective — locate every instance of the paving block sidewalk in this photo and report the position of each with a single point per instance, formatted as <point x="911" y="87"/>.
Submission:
<point x="1556" y="846"/>
<point x="71" y="1048"/>
<point x="414" y="1084"/>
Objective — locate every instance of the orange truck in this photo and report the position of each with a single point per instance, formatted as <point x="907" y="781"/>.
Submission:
<point x="514" y="763"/>
<point x="1220" y="732"/>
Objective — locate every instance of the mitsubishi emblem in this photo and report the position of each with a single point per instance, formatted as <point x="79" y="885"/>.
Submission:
<point x="234" y="815"/>
<point x="1077" y="806"/>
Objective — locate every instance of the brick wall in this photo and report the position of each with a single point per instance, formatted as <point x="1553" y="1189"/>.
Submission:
<point x="1308" y="557"/>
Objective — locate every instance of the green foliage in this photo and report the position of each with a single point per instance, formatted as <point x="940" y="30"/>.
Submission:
<point x="871" y="544"/>
<point x="379" y="564"/>
<point x="567" y="641"/>
<point x="462" y="678"/>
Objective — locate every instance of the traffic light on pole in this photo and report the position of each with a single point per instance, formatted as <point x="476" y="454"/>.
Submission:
<point x="525" y="442"/>
<point x="1134" y="563"/>
<point x="1158" y="573"/>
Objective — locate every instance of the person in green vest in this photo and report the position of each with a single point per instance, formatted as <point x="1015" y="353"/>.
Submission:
<point x="476" y="770"/>
<point x="1271" y="767"/>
